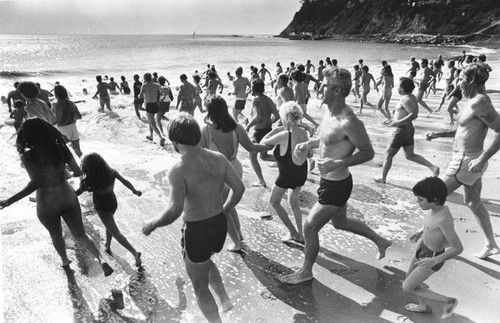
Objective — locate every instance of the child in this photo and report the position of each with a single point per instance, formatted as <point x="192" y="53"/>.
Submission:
<point x="99" y="178"/>
<point x="430" y="256"/>
<point x="18" y="114"/>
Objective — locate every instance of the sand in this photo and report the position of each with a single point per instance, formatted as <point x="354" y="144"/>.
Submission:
<point x="350" y="285"/>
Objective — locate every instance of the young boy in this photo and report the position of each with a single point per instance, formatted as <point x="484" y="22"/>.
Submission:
<point x="431" y="254"/>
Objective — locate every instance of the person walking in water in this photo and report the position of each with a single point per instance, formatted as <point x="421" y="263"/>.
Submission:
<point x="405" y="112"/>
<point x="343" y="142"/>
<point x="292" y="169"/>
<point x="99" y="179"/>
<point x="196" y="192"/>
<point x="150" y="91"/>
<point x="45" y="155"/>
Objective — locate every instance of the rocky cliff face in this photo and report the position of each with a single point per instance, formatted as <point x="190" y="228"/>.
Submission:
<point x="326" y="18"/>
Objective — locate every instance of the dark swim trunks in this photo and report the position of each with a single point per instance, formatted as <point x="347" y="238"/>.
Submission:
<point x="403" y="136"/>
<point x="260" y="133"/>
<point x="152" y="107"/>
<point x="126" y="90"/>
<point x="239" y="104"/>
<point x="105" y="202"/>
<point x="201" y="239"/>
<point x="335" y="192"/>
<point x="424" y="252"/>
<point x="457" y="92"/>
<point x="423" y="86"/>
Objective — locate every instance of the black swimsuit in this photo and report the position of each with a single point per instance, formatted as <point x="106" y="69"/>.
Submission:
<point x="290" y="175"/>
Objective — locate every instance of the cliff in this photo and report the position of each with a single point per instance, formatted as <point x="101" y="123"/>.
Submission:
<point x="425" y="21"/>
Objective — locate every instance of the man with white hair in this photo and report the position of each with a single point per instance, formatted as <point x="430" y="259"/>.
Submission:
<point x="343" y="142"/>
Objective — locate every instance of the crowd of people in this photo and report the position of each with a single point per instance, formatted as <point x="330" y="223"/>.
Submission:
<point x="206" y="182"/>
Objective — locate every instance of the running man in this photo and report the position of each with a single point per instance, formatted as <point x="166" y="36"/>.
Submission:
<point x="426" y="76"/>
<point x="470" y="158"/>
<point x="241" y="89"/>
<point x="405" y="112"/>
<point x="263" y="108"/>
<point x="102" y="91"/>
<point x="13" y="96"/>
<point x="196" y="187"/>
<point x="343" y="142"/>
<point x="263" y="71"/>
<point x="186" y="96"/>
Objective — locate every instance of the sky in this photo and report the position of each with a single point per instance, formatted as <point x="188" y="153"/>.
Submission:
<point x="146" y="16"/>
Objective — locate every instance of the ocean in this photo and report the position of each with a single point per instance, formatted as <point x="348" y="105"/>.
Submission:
<point x="75" y="60"/>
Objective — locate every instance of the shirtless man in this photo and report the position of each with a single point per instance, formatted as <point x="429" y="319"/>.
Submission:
<point x="196" y="187"/>
<point x="213" y="84"/>
<point x="426" y="76"/>
<point x="102" y="91"/>
<point x="284" y="92"/>
<point x="343" y="142"/>
<point x="150" y="92"/>
<point x="263" y="108"/>
<point x="415" y="66"/>
<point x="241" y="89"/>
<point x="13" y="96"/>
<point x="186" y="96"/>
<point x="263" y="71"/>
<point x="470" y="160"/>
<point x="302" y="96"/>
<point x="405" y="112"/>
<point x="44" y="95"/>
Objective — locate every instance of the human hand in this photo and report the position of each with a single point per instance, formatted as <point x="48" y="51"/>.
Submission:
<point x="476" y="166"/>
<point x="327" y="165"/>
<point x="179" y="282"/>
<point x="414" y="237"/>
<point x="426" y="263"/>
<point x="4" y="204"/>
<point x="148" y="228"/>
<point x="301" y="149"/>
<point x="138" y="193"/>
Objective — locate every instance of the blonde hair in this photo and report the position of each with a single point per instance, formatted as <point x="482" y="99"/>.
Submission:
<point x="290" y="113"/>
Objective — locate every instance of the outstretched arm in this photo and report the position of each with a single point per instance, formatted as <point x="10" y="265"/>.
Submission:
<point x="30" y="188"/>
<point x="245" y="141"/>
<point x="176" y="202"/>
<point x="127" y="184"/>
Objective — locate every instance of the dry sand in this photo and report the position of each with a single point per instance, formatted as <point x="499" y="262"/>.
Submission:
<point x="349" y="285"/>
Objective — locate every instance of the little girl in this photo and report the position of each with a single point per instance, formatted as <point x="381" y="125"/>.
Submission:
<point x="99" y="178"/>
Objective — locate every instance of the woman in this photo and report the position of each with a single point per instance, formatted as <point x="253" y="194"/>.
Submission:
<point x="66" y="115"/>
<point x="385" y="98"/>
<point x="292" y="169"/>
<point x="221" y="133"/>
<point x="45" y="156"/>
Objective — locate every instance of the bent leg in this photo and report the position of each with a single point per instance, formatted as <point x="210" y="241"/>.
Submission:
<point x="76" y="147"/>
<point x="109" y="222"/>
<point x="410" y="155"/>
<point x="215" y="282"/>
<point x="389" y="155"/>
<point x="275" y="200"/>
<point x="293" y="200"/>
<point x="258" y="171"/>
<point x="199" y="275"/>
<point x="341" y="222"/>
<point x="472" y="198"/>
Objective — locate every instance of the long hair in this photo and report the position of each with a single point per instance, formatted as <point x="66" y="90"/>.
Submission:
<point x="62" y="96"/>
<point x="43" y="141"/>
<point x="219" y="116"/>
<point x="96" y="172"/>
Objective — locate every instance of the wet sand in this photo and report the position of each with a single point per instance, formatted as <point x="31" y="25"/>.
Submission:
<point x="350" y="285"/>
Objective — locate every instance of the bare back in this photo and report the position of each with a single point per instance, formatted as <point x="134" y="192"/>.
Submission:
<point x="204" y="176"/>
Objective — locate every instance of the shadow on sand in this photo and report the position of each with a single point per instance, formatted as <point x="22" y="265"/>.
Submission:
<point x="318" y="302"/>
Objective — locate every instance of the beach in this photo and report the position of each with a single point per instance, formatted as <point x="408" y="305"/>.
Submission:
<point x="350" y="285"/>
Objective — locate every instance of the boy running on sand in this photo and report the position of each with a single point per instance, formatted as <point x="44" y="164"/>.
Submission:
<point x="431" y="254"/>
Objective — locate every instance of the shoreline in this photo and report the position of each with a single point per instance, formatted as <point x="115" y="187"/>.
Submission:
<point x="476" y="39"/>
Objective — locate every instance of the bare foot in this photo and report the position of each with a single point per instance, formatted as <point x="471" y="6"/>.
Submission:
<point x="379" y="180"/>
<point x="106" y="269"/>
<point x="382" y="247"/>
<point x="138" y="261"/>
<point x="296" y="278"/>
<point x="448" y="308"/>
<point x="435" y="171"/>
<point x="108" y="250"/>
<point x="226" y="306"/>
<point x="486" y="252"/>
<point x="259" y="184"/>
